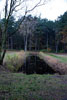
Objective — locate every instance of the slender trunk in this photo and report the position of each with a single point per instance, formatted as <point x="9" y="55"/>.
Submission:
<point x="47" y="41"/>
<point x="2" y="58"/>
<point x="26" y="40"/>
<point x="11" y="43"/>
<point x="0" y="42"/>
<point x="64" y="47"/>
<point x="36" y="44"/>
<point x="30" y="43"/>
<point x="0" y="53"/>
<point x="3" y="47"/>
<point x="8" y="44"/>
<point x="26" y="45"/>
<point x="56" y="48"/>
<point x="3" y="51"/>
<point x="4" y="37"/>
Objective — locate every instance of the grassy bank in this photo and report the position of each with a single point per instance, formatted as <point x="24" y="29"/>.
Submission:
<point x="17" y="86"/>
<point x="59" y="57"/>
<point x="56" y="61"/>
<point x="62" y="58"/>
<point x="14" y="60"/>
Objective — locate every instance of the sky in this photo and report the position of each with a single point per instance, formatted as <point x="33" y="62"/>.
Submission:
<point x="51" y="10"/>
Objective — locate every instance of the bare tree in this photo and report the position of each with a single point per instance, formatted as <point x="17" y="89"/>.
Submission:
<point x="57" y="41"/>
<point x="13" y="7"/>
<point x="27" y="30"/>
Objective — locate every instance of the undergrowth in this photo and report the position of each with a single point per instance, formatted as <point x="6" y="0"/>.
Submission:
<point x="14" y="61"/>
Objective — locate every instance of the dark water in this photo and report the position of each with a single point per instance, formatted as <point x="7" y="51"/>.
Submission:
<point x="34" y="64"/>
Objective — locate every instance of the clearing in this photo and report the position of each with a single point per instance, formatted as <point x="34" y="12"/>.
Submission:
<point x="35" y="86"/>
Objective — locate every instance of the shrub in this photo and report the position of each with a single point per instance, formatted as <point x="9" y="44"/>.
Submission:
<point x="45" y="50"/>
<point x="14" y="61"/>
<point x="49" y="50"/>
<point x="61" y="51"/>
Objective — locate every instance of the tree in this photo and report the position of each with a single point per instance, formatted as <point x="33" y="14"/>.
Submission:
<point x="27" y="29"/>
<point x="61" y="34"/>
<point x="45" y="33"/>
<point x="64" y="34"/>
<point x="12" y="6"/>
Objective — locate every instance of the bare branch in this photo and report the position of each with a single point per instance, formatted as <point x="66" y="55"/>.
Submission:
<point x="6" y="7"/>
<point x="17" y="5"/>
<point x="16" y="28"/>
<point x="37" y="5"/>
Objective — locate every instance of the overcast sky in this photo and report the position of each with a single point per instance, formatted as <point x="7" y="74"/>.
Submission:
<point x="50" y="10"/>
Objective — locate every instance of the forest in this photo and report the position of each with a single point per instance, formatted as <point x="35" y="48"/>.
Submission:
<point x="37" y="34"/>
<point x="33" y="50"/>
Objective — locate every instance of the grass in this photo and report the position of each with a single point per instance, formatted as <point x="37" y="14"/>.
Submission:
<point x="17" y="86"/>
<point x="61" y="58"/>
<point x="14" y="60"/>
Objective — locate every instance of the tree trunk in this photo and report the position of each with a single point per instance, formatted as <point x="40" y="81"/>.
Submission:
<point x="36" y="44"/>
<point x="0" y="42"/>
<point x="64" y="47"/>
<point x="8" y="44"/>
<point x="26" y="45"/>
<point x="47" y="42"/>
<point x="30" y="43"/>
<point x="25" y="42"/>
<point x="11" y="43"/>
<point x="56" y="48"/>
<point x="2" y="57"/>
<point x="0" y="53"/>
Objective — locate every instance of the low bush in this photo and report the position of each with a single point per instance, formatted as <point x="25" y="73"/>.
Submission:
<point x="14" y="61"/>
<point x="45" y="50"/>
<point x="61" y="51"/>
